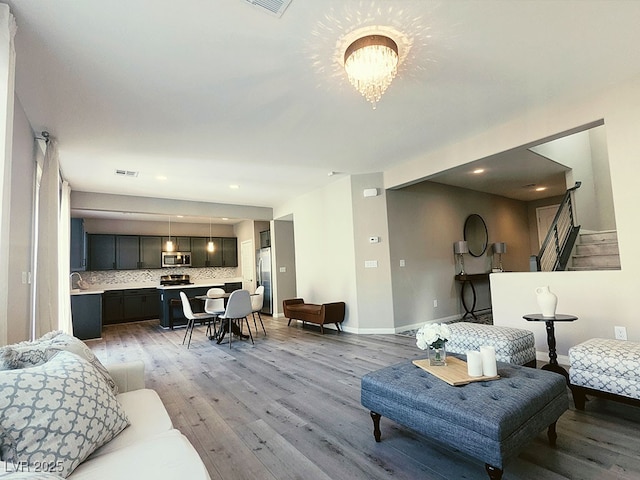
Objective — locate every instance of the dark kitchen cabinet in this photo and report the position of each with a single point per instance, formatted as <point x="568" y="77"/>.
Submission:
<point x="199" y="253"/>
<point x="120" y="306"/>
<point x="150" y="252"/>
<point x="214" y="259"/>
<point x="86" y="316"/>
<point x="127" y="252"/>
<point x="225" y="252"/>
<point x="112" y="307"/>
<point x="141" y="304"/>
<point x="102" y="252"/>
<point x="78" y="249"/>
<point x="229" y="252"/>
<point x="180" y="244"/>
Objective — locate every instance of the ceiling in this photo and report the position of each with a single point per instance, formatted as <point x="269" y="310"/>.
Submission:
<point x="213" y="93"/>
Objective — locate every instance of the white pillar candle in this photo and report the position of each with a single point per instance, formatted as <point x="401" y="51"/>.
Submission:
<point x="489" y="366"/>
<point x="474" y="363"/>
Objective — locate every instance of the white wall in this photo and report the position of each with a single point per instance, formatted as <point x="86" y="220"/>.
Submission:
<point x="600" y="299"/>
<point x="164" y="206"/>
<point x="130" y="227"/>
<point x="324" y="249"/>
<point x="586" y="154"/>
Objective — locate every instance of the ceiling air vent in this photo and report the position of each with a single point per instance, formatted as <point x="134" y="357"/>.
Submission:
<point x="126" y="173"/>
<point x="273" y="7"/>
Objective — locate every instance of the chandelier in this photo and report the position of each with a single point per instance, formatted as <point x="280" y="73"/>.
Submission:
<point x="371" y="64"/>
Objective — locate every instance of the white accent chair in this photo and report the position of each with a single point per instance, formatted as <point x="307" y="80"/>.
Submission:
<point x="238" y="308"/>
<point x="257" y="300"/>
<point x="192" y="317"/>
<point x="214" y="305"/>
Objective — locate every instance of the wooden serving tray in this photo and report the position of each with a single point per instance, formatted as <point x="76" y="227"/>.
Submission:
<point x="454" y="372"/>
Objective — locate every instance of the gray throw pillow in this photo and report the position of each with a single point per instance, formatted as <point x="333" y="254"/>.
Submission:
<point x="18" y="475"/>
<point x="29" y="354"/>
<point x="57" y="413"/>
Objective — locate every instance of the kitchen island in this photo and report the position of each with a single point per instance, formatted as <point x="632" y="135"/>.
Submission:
<point x="171" y="311"/>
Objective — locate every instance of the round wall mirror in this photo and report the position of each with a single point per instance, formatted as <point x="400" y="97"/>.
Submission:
<point x="476" y="235"/>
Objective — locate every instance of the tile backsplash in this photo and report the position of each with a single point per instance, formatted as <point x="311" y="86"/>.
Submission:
<point x="116" y="277"/>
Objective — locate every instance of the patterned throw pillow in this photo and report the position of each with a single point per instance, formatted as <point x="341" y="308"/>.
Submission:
<point x="28" y="354"/>
<point x="57" y="413"/>
<point x="29" y="476"/>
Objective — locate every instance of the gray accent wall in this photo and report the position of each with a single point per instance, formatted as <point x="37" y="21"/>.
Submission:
<point x="424" y="221"/>
<point x="284" y="256"/>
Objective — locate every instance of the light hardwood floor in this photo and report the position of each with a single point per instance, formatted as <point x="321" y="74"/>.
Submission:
<point x="288" y="407"/>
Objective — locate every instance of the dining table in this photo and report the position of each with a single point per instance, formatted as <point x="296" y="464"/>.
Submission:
<point x="219" y="334"/>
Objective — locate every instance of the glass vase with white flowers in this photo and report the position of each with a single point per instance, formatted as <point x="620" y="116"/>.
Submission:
<point x="433" y="338"/>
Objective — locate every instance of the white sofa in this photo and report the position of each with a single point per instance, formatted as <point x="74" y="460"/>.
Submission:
<point x="149" y="448"/>
<point x="65" y="415"/>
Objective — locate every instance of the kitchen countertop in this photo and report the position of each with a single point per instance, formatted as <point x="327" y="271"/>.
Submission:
<point x="98" y="289"/>
<point x="88" y="291"/>
<point x="193" y="285"/>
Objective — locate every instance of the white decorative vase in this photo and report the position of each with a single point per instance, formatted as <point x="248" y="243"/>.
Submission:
<point x="547" y="301"/>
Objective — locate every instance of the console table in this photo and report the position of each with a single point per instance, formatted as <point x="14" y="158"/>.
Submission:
<point x="551" y="338"/>
<point x="469" y="279"/>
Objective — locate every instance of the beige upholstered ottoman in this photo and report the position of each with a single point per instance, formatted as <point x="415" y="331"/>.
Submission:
<point x="513" y="345"/>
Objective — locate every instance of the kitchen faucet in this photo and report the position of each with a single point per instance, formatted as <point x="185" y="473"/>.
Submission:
<point x="71" y="279"/>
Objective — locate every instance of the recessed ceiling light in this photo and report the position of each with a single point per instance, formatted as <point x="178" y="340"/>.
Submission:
<point x="541" y="189"/>
<point x="478" y="170"/>
<point x="161" y="177"/>
<point x="180" y="216"/>
<point x="234" y="187"/>
<point x="225" y="218"/>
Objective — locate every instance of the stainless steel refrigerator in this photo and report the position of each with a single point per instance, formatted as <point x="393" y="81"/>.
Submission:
<point x="264" y="278"/>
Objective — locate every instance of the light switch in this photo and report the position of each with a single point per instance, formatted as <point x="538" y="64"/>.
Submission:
<point x="402" y="263"/>
<point x="370" y="264"/>
<point x="283" y="269"/>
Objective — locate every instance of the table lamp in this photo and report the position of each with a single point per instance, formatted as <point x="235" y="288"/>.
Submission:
<point x="500" y="248"/>
<point x="460" y="248"/>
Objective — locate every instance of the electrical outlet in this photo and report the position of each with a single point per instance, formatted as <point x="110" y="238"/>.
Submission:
<point x="620" y="333"/>
<point x="435" y="304"/>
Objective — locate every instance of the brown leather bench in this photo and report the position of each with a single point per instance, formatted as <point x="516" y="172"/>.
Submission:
<point x="296" y="309"/>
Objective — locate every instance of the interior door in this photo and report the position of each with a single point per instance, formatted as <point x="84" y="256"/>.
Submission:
<point x="247" y="257"/>
<point x="544" y="217"/>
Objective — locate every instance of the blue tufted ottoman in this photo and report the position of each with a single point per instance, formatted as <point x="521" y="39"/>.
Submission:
<point x="490" y="421"/>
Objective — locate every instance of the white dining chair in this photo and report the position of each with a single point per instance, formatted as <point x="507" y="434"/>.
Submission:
<point x="192" y="317"/>
<point x="214" y="305"/>
<point x="257" y="300"/>
<point x="238" y="308"/>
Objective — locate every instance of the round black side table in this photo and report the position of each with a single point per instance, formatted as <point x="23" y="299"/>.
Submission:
<point x="552" y="366"/>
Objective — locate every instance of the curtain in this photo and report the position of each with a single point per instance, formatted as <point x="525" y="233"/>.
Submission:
<point x="64" y="260"/>
<point x="47" y="275"/>
<point x="7" y="73"/>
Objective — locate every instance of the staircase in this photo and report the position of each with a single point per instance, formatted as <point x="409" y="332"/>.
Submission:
<point x="596" y="251"/>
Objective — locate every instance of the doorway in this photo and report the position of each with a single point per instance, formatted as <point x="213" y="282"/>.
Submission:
<point x="247" y="257"/>
<point x="544" y="220"/>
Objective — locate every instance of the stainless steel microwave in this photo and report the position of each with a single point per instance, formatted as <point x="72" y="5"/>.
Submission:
<point x="176" y="259"/>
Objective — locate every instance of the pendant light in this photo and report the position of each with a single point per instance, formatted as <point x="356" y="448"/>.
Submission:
<point x="169" y="245"/>
<point x="210" y="247"/>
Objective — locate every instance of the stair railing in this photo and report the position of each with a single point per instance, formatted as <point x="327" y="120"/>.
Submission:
<point x="561" y="237"/>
